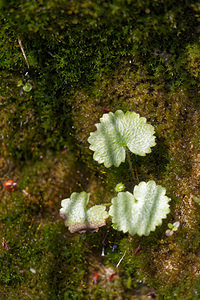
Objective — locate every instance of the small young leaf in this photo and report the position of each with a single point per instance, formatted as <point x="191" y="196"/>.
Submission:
<point x="77" y="218"/>
<point x="176" y="225"/>
<point x="27" y="87"/>
<point x="140" y="212"/>
<point x="169" y="232"/>
<point x="196" y="199"/>
<point x="170" y="225"/>
<point x="19" y="83"/>
<point x="115" y="132"/>
<point x="119" y="187"/>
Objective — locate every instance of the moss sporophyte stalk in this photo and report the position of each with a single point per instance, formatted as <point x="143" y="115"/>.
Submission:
<point x="136" y="213"/>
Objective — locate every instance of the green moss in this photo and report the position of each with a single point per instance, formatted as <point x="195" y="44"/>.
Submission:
<point x="85" y="57"/>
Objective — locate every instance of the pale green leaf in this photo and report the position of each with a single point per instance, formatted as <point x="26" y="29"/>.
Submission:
<point x="78" y="218"/>
<point x="140" y="212"/>
<point x="170" y="225"/>
<point x="115" y="132"/>
<point x="196" y="199"/>
<point x="27" y="87"/>
<point x="119" y="187"/>
<point x="19" y="83"/>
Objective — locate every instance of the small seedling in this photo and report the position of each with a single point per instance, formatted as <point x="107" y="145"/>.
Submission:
<point x="19" y="83"/>
<point x="10" y="185"/>
<point x="27" y="87"/>
<point x="119" y="187"/>
<point x="138" y="212"/>
<point x="172" y="228"/>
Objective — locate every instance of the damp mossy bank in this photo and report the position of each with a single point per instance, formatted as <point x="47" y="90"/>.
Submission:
<point x="84" y="58"/>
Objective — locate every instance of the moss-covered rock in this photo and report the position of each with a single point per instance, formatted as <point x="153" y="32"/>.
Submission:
<point x="82" y="59"/>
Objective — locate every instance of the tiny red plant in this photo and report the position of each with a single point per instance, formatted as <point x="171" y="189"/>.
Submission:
<point x="5" y="245"/>
<point x="112" y="276"/>
<point x="10" y="185"/>
<point x="95" y="277"/>
<point x="106" y="110"/>
<point x="138" y="249"/>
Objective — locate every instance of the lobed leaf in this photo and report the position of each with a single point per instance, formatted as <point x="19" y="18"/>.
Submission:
<point x="140" y="212"/>
<point x="78" y="218"/>
<point x="115" y="132"/>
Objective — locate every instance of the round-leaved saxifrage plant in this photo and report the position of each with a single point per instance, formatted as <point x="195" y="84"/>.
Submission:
<point x="138" y="212"/>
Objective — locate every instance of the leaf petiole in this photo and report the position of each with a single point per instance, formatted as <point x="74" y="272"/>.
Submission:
<point x="133" y="170"/>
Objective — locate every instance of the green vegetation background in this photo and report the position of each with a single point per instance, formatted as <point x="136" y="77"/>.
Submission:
<point x="86" y="57"/>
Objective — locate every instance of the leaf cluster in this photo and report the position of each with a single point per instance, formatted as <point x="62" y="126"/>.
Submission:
<point x="137" y="213"/>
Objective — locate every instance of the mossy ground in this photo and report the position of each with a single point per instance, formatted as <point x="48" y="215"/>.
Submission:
<point x="85" y="57"/>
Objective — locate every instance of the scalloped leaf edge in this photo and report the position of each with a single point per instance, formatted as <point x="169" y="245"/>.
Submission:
<point x="115" y="132"/>
<point x="78" y="218"/>
<point x="140" y="212"/>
